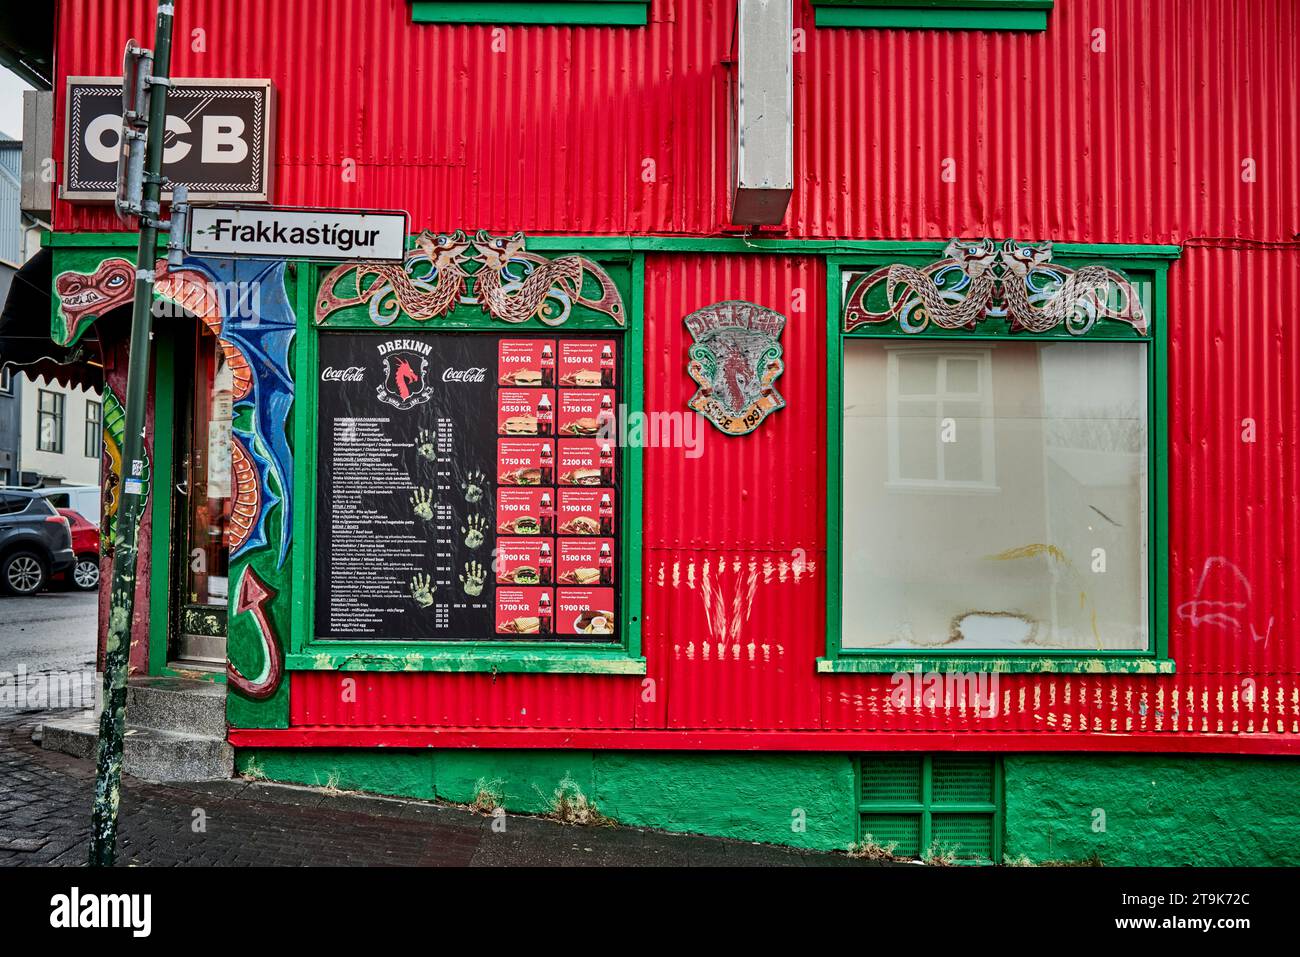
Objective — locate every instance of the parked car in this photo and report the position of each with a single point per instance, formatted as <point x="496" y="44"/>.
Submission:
<point x="35" y="542"/>
<point x="80" y="498"/>
<point x="84" y="573"/>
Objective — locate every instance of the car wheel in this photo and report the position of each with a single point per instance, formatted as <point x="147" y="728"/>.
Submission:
<point x="85" y="573"/>
<point x="23" y="573"/>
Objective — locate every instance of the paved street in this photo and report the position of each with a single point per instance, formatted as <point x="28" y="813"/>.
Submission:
<point x="52" y="631"/>
<point x="45" y="810"/>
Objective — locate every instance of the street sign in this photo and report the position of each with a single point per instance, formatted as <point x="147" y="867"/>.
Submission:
<point x="279" y="232"/>
<point x="217" y="142"/>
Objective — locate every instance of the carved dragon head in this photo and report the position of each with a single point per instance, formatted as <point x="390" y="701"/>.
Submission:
<point x="496" y="252"/>
<point x="975" y="256"/>
<point x="1020" y="257"/>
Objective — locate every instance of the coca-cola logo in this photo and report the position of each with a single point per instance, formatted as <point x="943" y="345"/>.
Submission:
<point x="476" y="374"/>
<point x="350" y="374"/>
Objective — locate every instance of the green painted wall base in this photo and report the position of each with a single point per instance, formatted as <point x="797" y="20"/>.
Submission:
<point x="803" y="800"/>
<point x="1116" y="810"/>
<point x="1159" y="810"/>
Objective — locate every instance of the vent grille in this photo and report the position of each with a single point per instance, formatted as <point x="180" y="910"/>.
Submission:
<point x="948" y="805"/>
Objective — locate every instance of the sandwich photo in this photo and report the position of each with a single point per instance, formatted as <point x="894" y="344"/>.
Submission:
<point x="523" y="525"/>
<point x="521" y="425"/>
<point x="523" y="377"/>
<point x="583" y="426"/>
<point x="521" y="626"/>
<point x="582" y="525"/>
<point x="580" y="576"/>
<point x="524" y="476"/>
<point x="583" y="377"/>
<point x="581" y="477"/>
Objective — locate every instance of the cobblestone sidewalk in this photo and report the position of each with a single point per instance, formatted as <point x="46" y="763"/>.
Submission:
<point x="45" y="803"/>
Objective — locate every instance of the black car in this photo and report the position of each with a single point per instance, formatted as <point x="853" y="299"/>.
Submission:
<point x="35" y="542"/>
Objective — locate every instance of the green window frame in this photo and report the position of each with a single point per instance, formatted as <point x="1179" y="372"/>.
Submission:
<point x="308" y="653"/>
<point x="600" y="13"/>
<point x="1146" y="267"/>
<point x="932" y="804"/>
<point x="1026" y="15"/>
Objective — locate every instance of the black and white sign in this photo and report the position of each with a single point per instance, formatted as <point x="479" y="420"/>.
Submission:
<point x="217" y="143"/>
<point x="275" y="232"/>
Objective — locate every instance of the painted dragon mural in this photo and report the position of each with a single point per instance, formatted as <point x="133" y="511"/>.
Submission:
<point x="499" y="276"/>
<point x="246" y="306"/>
<point x="980" y="280"/>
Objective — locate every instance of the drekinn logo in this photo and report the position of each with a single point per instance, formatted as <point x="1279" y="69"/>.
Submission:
<point x="75" y="910"/>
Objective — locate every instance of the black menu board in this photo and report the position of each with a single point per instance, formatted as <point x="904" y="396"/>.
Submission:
<point x="467" y="487"/>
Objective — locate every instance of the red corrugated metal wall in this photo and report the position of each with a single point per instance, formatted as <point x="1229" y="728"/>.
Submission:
<point x="1155" y="121"/>
<point x="1143" y="142"/>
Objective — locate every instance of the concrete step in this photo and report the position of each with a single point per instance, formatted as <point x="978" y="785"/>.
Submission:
<point x="182" y="705"/>
<point x="149" y="754"/>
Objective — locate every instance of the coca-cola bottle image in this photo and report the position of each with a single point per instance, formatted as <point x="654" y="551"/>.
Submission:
<point x="606" y="365"/>
<point x="544" y="613"/>
<point x="548" y="464"/>
<point x="606" y="464"/>
<point x="548" y="514"/>
<point x="545" y="414"/>
<point x="606" y="514"/>
<point x="544" y="563"/>
<point x="605" y="418"/>
<point x="606" y="564"/>
<point x="548" y="365"/>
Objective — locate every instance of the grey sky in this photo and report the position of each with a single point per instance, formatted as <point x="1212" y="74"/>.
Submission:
<point x="11" y="105"/>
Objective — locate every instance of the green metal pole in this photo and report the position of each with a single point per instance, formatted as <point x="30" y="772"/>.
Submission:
<point x="112" y="722"/>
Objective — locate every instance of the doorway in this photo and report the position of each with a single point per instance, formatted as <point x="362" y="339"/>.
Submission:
<point x="201" y="509"/>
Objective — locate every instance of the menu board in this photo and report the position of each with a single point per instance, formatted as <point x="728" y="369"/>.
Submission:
<point x="467" y="487"/>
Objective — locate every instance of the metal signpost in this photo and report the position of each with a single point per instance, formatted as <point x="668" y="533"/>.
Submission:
<point x="144" y="94"/>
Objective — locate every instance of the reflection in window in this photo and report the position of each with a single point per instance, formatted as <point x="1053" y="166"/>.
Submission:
<point x="939" y="556"/>
<point x="208" y="476"/>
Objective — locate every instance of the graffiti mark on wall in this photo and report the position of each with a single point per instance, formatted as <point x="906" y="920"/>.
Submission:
<point x="1222" y="600"/>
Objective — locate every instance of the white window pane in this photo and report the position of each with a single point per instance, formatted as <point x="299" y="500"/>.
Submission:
<point x="961" y="376"/>
<point x="1033" y="534"/>
<point x="918" y="375"/>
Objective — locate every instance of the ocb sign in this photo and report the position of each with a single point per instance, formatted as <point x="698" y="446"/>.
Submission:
<point x="217" y="141"/>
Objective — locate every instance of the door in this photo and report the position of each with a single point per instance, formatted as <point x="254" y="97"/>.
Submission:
<point x="202" y="518"/>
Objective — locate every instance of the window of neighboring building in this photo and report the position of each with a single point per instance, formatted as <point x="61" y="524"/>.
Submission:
<point x="49" y="420"/>
<point x="6" y="382"/>
<point x="934" y="14"/>
<point x="997" y="467"/>
<point x="94" y="429"/>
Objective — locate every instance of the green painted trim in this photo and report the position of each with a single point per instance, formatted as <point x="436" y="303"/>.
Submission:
<point x="921" y="18"/>
<point x="969" y="4"/>
<point x="160" y="523"/>
<point x="1155" y="658"/>
<point x="855" y="662"/>
<point x="495" y="657"/>
<point x="305" y="420"/>
<point x="723" y="244"/>
<point x="603" y="13"/>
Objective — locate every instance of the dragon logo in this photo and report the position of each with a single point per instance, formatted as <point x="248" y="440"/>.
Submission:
<point x="735" y="361"/>
<point x="404" y="382"/>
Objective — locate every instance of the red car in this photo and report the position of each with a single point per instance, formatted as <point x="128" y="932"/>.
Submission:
<point x="84" y="574"/>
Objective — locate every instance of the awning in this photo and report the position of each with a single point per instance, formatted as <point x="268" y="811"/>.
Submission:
<point x="25" y="331"/>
